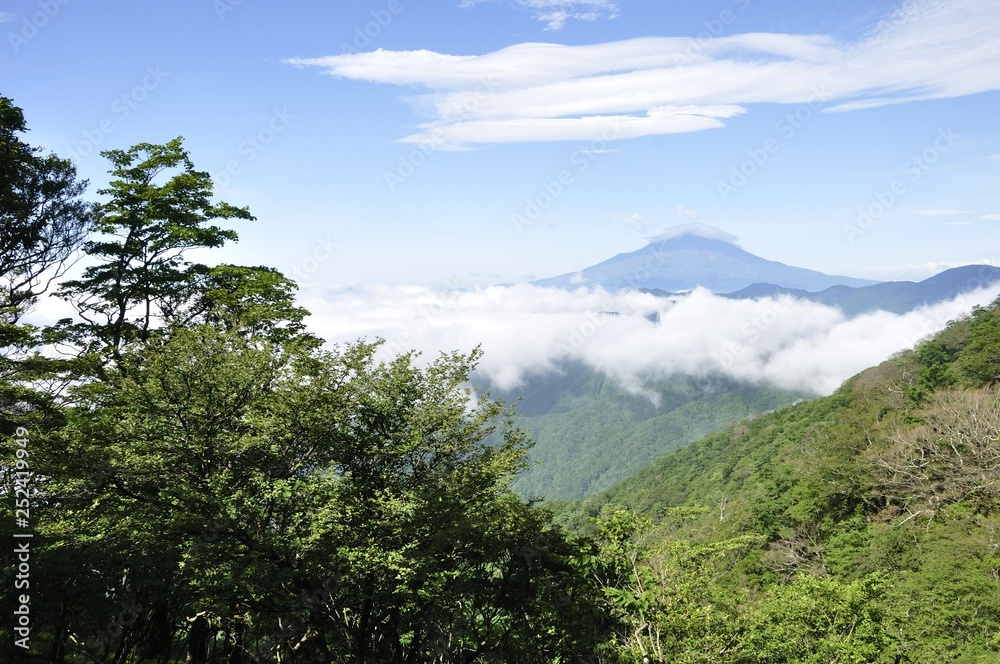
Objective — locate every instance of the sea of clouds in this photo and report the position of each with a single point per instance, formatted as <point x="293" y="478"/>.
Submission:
<point x="634" y="337"/>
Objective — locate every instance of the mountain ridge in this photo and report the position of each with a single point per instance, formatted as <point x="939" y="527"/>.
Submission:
<point x="897" y="297"/>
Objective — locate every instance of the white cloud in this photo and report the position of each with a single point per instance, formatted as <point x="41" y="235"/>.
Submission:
<point x="555" y="13"/>
<point x="994" y="156"/>
<point x="633" y="221"/>
<point x="687" y="213"/>
<point x="7" y="17"/>
<point x="524" y="328"/>
<point x="658" y="85"/>
<point x="603" y="128"/>
<point x="938" y="213"/>
<point x="991" y="217"/>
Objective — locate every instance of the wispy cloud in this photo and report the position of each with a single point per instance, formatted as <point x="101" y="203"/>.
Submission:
<point x="633" y="337"/>
<point x="939" y="213"/>
<point x="6" y="17"/>
<point x="555" y="13"/>
<point x="991" y="217"/>
<point x="658" y="85"/>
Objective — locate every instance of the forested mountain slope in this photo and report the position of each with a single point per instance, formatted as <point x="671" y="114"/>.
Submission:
<point x="858" y="527"/>
<point x="590" y="432"/>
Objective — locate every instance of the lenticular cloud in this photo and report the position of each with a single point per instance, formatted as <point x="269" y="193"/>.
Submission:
<point x="631" y="336"/>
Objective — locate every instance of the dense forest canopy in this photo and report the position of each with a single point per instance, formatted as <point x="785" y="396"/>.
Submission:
<point x="190" y="476"/>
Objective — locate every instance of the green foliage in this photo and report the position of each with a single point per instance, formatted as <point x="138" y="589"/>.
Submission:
<point x="663" y="591"/>
<point x="42" y="223"/>
<point x="979" y="362"/>
<point x="160" y="207"/>
<point x="946" y="588"/>
<point x="299" y="502"/>
<point x="42" y="219"/>
<point x="222" y="489"/>
<point x="874" y="509"/>
<point x="820" y="620"/>
<point x="935" y="365"/>
<point x="258" y="301"/>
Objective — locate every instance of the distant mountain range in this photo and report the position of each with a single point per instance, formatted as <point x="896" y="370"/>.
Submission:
<point x="897" y="297"/>
<point x="694" y="255"/>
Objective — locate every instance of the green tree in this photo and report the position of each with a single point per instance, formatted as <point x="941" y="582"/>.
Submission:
<point x="256" y="301"/>
<point x="43" y="221"/>
<point x="819" y="620"/>
<point x="934" y="361"/>
<point x="160" y="207"/>
<point x="979" y="361"/>
<point x="664" y="591"/>
<point x="230" y="496"/>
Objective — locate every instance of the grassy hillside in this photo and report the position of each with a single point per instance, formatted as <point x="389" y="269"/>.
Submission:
<point x="590" y="432"/>
<point x="858" y="527"/>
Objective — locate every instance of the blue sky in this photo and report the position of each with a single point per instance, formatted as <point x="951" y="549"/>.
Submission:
<point x="468" y="143"/>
